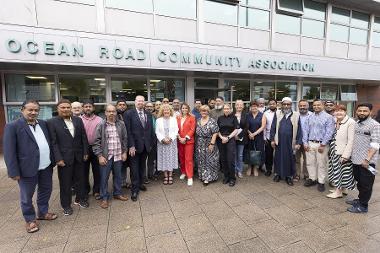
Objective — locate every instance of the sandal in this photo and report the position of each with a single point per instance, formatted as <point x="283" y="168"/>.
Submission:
<point x="48" y="216"/>
<point x="170" y="180"/>
<point x="296" y="178"/>
<point x="32" y="227"/>
<point x="165" y="180"/>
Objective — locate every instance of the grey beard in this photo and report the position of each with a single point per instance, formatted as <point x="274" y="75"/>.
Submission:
<point x="286" y="111"/>
<point x="218" y="107"/>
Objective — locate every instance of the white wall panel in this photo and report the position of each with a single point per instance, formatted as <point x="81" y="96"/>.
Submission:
<point x="338" y="49"/>
<point x="20" y="12"/>
<point x="357" y="52"/>
<point x="312" y="46"/>
<point x="287" y="43"/>
<point x="220" y="34"/>
<point x="254" y="39"/>
<point x="176" y="29"/>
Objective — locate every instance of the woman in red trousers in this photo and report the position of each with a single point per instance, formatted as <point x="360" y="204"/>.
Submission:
<point x="186" y="126"/>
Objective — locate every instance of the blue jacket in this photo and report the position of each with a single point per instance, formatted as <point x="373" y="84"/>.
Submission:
<point x="21" y="152"/>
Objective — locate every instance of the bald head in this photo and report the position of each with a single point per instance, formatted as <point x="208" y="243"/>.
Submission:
<point x="76" y="108"/>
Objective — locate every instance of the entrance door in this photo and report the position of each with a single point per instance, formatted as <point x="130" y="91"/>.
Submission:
<point x="204" y="89"/>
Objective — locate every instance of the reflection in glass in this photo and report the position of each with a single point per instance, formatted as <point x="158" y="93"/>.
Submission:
<point x="340" y="16"/>
<point x="254" y="18"/>
<point x="286" y="89"/>
<point x="167" y="88"/>
<point x="240" y="90"/>
<point x="128" y="88"/>
<point x="339" y="32"/>
<point x="205" y="89"/>
<point x="358" y="36"/>
<point x="177" y="8"/>
<point x="22" y="87"/>
<point x="220" y="12"/>
<point x="329" y="92"/>
<point x="376" y="24"/>
<point x="348" y="93"/>
<point x="257" y="3"/>
<point x="263" y="90"/>
<point x="79" y="88"/>
<point x="359" y="20"/>
<point x="46" y="112"/>
<point x="376" y="39"/>
<point x="311" y="91"/>
<point x="295" y="5"/>
<point x="313" y="28"/>
<point x="288" y="24"/>
<point x="134" y="5"/>
<point x="314" y="10"/>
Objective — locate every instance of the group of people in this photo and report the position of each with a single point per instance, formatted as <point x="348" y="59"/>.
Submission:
<point x="325" y="145"/>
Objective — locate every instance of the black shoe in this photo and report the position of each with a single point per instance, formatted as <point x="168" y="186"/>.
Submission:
<point x="321" y="187"/>
<point x="226" y="180"/>
<point x="289" y="181"/>
<point x="353" y="202"/>
<point x="134" y="196"/>
<point x="68" y="211"/>
<point x="76" y="201"/>
<point x="143" y="188"/>
<point x="357" y="209"/>
<point x="309" y="183"/>
<point x="84" y="204"/>
<point x="232" y="183"/>
<point x="268" y="173"/>
<point x="276" y="178"/>
<point x="146" y="181"/>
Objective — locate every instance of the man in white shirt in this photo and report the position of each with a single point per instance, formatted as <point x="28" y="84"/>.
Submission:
<point x="269" y="114"/>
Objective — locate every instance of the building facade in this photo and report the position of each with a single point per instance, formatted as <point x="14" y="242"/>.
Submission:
<point x="107" y="50"/>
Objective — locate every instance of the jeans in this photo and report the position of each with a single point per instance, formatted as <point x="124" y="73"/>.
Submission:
<point x="104" y="176"/>
<point x="238" y="165"/>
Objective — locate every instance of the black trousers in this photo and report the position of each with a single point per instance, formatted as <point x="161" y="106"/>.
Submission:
<point x="65" y="176"/>
<point x="227" y="154"/>
<point x="94" y="162"/>
<point x="365" y="180"/>
<point x="268" y="156"/>
<point x="152" y="156"/>
<point x="138" y="166"/>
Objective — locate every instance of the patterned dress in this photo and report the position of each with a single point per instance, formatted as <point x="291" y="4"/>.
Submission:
<point x="208" y="163"/>
<point x="167" y="154"/>
<point x="340" y="175"/>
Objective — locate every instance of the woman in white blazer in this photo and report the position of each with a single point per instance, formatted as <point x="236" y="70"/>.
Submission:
<point x="167" y="132"/>
<point x="340" y="167"/>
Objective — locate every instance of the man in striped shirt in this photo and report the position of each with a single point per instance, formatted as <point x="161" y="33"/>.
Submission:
<point x="365" y="154"/>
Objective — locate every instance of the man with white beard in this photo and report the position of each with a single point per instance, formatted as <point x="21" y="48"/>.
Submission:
<point x="218" y="110"/>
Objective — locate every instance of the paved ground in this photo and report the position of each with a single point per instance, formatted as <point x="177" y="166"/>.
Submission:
<point x="257" y="215"/>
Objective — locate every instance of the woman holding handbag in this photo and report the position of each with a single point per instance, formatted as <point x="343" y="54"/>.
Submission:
<point x="256" y="123"/>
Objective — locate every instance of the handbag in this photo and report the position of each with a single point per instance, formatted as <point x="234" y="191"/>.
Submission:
<point x="252" y="157"/>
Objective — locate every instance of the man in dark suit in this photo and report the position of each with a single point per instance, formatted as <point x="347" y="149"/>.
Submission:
<point x="28" y="158"/>
<point x="140" y="138"/>
<point x="70" y="148"/>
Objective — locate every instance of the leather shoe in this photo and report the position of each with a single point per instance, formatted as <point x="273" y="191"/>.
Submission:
<point x="104" y="204"/>
<point x="289" y="181"/>
<point x="321" y="187"/>
<point x="134" y="196"/>
<point x="143" y="188"/>
<point x="310" y="182"/>
<point x="353" y="202"/>
<point x="232" y="183"/>
<point x="357" y="209"/>
<point x="121" y="197"/>
<point x="276" y="178"/>
<point x="226" y="180"/>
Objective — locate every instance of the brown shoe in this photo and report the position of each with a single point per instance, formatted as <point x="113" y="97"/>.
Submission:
<point x="121" y="197"/>
<point x="32" y="226"/>
<point x="104" y="204"/>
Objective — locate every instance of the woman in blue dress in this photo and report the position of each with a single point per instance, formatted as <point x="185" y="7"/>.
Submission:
<point x="256" y="123"/>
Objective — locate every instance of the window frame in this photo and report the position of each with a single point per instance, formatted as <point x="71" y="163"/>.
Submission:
<point x="244" y="6"/>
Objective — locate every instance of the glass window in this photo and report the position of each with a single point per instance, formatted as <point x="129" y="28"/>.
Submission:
<point x="205" y="89"/>
<point x="376" y="24"/>
<point x="359" y="20"/>
<point x="220" y="12"/>
<point x="257" y="3"/>
<point x="133" y="5"/>
<point x="313" y="28"/>
<point x="311" y="91"/>
<point x="240" y="90"/>
<point x="79" y="88"/>
<point x="128" y="88"/>
<point x="329" y="92"/>
<point x="339" y="32"/>
<point x="291" y="5"/>
<point x="46" y="112"/>
<point x="288" y="24"/>
<point x="358" y="36"/>
<point x="348" y="93"/>
<point x="20" y="87"/>
<point x="314" y="10"/>
<point x="263" y="90"/>
<point x="376" y="39"/>
<point x="286" y="89"/>
<point x="167" y="88"/>
<point x="177" y="8"/>
<point x="254" y="18"/>
<point x="340" y="16"/>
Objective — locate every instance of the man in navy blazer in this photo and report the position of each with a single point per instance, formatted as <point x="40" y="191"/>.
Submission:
<point x="140" y="137"/>
<point x="28" y="157"/>
<point x="70" y="149"/>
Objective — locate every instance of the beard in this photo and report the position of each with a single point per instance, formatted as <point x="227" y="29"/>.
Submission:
<point x="286" y="111"/>
<point x="120" y="111"/>
<point x="273" y="109"/>
<point x="89" y="114"/>
<point x="218" y="107"/>
<point x="362" y="118"/>
<point x="303" y="111"/>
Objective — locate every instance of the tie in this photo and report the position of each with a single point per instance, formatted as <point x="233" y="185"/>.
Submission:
<point x="142" y="118"/>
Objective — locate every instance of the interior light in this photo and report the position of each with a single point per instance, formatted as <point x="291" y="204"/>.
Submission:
<point x="100" y="79"/>
<point x="36" y="77"/>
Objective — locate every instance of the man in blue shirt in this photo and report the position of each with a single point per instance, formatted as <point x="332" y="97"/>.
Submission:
<point x="28" y="158"/>
<point x="195" y="111"/>
<point x="317" y="133"/>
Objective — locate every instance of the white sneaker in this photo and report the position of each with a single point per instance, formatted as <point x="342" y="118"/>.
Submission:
<point x="182" y="177"/>
<point x="190" y="182"/>
<point x="240" y="175"/>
